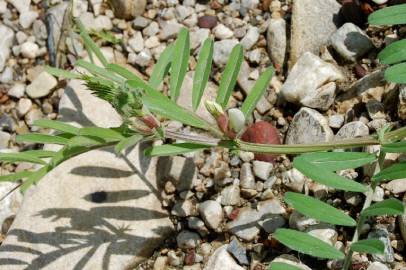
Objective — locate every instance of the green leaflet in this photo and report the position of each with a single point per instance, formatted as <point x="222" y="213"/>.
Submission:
<point x="257" y="92"/>
<point x="307" y="244"/>
<point x="202" y="72"/>
<point x="389" y="15"/>
<point x="396" y="73"/>
<point x="127" y="143"/>
<point x="174" y="149"/>
<point x="89" y="43"/>
<point x="326" y="177"/>
<point x="86" y="141"/>
<point x="57" y="125"/>
<point x="40" y="153"/>
<point x="335" y="161"/>
<point x="396" y="171"/>
<point x="161" y="67"/>
<point x="229" y="77"/>
<point x="122" y="71"/>
<point x="15" y="176"/>
<point x="282" y="266"/>
<point x="167" y="108"/>
<point x="34" y="178"/>
<point x="180" y="62"/>
<point x="103" y="133"/>
<point x="60" y="73"/>
<point x="399" y="147"/>
<point x="318" y="210"/>
<point x="41" y="138"/>
<point x="370" y="246"/>
<point x="387" y="207"/>
<point x="393" y="53"/>
<point x="98" y="71"/>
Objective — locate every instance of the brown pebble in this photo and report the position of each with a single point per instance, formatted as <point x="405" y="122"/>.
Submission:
<point x="215" y="5"/>
<point x="359" y="71"/>
<point x="190" y="257"/>
<point x="207" y="21"/>
<point x="265" y="5"/>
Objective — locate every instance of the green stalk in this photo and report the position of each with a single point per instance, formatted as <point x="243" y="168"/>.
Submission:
<point x="367" y="203"/>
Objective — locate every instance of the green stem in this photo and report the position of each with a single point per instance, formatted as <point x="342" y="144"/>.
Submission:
<point x="367" y="203"/>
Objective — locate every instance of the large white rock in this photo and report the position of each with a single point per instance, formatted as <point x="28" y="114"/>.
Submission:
<point x="308" y="126"/>
<point x="222" y="260"/>
<point x="95" y="211"/>
<point x="7" y="36"/>
<point x="311" y="82"/>
<point x="313" y="22"/>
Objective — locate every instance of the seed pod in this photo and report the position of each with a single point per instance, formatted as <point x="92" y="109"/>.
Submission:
<point x="264" y="133"/>
<point x="237" y="119"/>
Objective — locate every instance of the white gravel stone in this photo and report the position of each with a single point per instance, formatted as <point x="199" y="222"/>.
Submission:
<point x="222" y="32"/>
<point x="336" y="120"/>
<point x="262" y="169"/>
<point x="21" y="5"/>
<point x="23" y="106"/>
<point x="143" y="58"/>
<point x="351" y="42"/>
<point x="29" y="49"/>
<point x="308" y="126"/>
<point x="221" y="259"/>
<point x="324" y="232"/>
<point x="7" y="75"/>
<point x="230" y="195"/>
<point x="136" y="43"/>
<point x="222" y="50"/>
<point x="311" y="82"/>
<point x="277" y="41"/>
<point x="197" y="37"/>
<point x="246" y="176"/>
<point x="169" y="29"/>
<point x="152" y="42"/>
<point x="17" y="90"/>
<point x="4" y="139"/>
<point x="244" y="226"/>
<point x="396" y="186"/>
<point x="212" y="213"/>
<point x="377" y="265"/>
<point x="41" y="86"/>
<point x="7" y="36"/>
<point x="294" y="180"/>
<point x="353" y="130"/>
<point x="251" y="38"/>
<point x="187" y="239"/>
<point x="27" y="18"/>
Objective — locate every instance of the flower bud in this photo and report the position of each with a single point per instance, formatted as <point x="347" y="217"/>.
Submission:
<point x="214" y="109"/>
<point x="237" y="119"/>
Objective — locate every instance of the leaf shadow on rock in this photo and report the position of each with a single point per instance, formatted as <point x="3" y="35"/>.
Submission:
<point x="87" y="230"/>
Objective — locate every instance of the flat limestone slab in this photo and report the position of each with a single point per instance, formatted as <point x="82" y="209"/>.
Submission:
<point x="96" y="211"/>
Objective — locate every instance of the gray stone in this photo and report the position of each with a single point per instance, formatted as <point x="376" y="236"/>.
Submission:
<point x="383" y="235"/>
<point x="396" y="186"/>
<point x="300" y="222"/>
<point x="311" y="82"/>
<point x="17" y="90"/>
<point x="128" y="9"/>
<point x="230" y="195"/>
<point x="169" y="29"/>
<point x="27" y="19"/>
<point x="352" y="130"/>
<point x="336" y="120"/>
<point x="183" y="172"/>
<point x="262" y="169"/>
<point x="136" y="43"/>
<point x="41" y="86"/>
<point x="212" y="214"/>
<point x="238" y="251"/>
<point x="291" y="260"/>
<point x="351" y="42"/>
<point x="184" y="209"/>
<point x="276" y="41"/>
<point x="294" y="180"/>
<point x="4" y="139"/>
<point x="185" y="98"/>
<point x="60" y="212"/>
<point x="250" y="38"/>
<point x="313" y="22"/>
<point x="7" y="36"/>
<point x="308" y="126"/>
<point x="272" y="223"/>
<point x="23" y="106"/>
<point x="376" y="110"/>
<point x="222" y="260"/>
<point x="140" y="22"/>
<point x="245" y="225"/>
<point x="187" y="239"/>
<point x="377" y="265"/>
<point x="246" y="176"/>
<point x="197" y="37"/>
<point x="7" y="75"/>
<point x="222" y="50"/>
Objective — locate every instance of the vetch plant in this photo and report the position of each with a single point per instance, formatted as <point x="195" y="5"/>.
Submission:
<point x="144" y="110"/>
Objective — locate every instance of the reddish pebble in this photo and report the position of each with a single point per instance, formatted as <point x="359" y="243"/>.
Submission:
<point x="234" y="214"/>
<point x="207" y="21"/>
<point x="359" y="71"/>
<point x="264" y="133"/>
<point x="190" y="257"/>
<point x="222" y="123"/>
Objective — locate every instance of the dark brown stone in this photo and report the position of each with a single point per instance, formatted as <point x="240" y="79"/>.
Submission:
<point x="352" y="12"/>
<point x="207" y="21"/>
